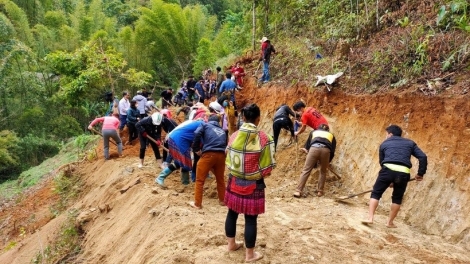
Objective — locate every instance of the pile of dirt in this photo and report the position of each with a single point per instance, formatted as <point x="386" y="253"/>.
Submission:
<point x="145" y="224"/>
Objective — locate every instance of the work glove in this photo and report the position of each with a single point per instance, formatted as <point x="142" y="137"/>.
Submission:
<point x="144" y="134"/>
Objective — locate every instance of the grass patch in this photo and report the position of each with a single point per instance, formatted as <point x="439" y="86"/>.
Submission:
<point x="73" y="150"/>
<point x="68" y="185"/>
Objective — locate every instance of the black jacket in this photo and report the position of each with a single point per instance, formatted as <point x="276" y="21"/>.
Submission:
<point x="314" y="137"/>
<point x="283" y="111"/>
<point x="398" y="150"/>
<point x="168" y="124"/>
<point x="146" y="125"/>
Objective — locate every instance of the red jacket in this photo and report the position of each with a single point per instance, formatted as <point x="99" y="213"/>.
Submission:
<point x="238" y="72"/>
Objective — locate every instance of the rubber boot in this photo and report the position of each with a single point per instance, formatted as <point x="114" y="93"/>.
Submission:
<point x="161" y="177"/>
<point x="185" y="177"/>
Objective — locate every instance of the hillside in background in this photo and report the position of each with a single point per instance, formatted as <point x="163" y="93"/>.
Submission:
<point x="409" y="71"/>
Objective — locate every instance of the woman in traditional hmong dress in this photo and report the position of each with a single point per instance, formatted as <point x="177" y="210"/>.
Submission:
<point x="250" y="158"/>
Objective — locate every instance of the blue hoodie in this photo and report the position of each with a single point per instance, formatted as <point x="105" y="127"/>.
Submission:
<point x="212" y="136"/>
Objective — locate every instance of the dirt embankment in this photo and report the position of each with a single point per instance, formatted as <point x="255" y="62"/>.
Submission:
<point x="147" y="225"/>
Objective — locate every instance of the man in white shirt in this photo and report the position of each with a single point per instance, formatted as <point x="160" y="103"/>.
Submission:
<point x="123" y="106"/>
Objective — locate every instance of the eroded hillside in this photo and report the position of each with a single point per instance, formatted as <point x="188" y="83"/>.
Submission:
<point x="148" y="225"/>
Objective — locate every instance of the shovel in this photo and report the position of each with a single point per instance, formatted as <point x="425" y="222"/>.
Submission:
<point x="341" y="198"/>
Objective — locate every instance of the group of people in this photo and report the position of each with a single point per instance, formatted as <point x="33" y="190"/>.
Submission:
<point x="199" y="145"/>
<point x="210" y="140"/>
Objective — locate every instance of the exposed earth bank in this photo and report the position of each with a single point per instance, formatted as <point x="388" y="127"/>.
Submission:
<point x="146" y="224"/>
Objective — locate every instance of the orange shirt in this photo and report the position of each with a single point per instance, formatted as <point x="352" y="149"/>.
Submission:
<point x="312" y="118"/>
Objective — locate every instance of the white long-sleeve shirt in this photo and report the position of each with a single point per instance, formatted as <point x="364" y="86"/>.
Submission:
<point x="123" y="106"/>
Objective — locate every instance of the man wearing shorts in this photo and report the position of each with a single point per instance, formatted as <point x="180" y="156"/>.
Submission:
<point x="394" y="157"/>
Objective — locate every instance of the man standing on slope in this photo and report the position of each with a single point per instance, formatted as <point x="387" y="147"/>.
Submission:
<point x="228" y="87"/>
<point x="394" y="157"/>
<point x="124" y="105"/>
<point x="266" y="49"/>
<point x="309" y="117"/>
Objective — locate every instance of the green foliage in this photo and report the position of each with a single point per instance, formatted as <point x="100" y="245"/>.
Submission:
<point x="64" y="127"/>
<point x="55" y="19"/>
<point x="19" y="20"/>
<point x="31" y="121"/>
<point x="205" y="57"/>
<point x="137" y="79"/>
<point x="67" y="185"/>
<point x="7" y="30"/>
<point x="33" y="150"/>
<point x="454" y="15"/>
<point x="87" y="72"/>
<point x="18" y="154"/>
<point x="421" y="55"/>
<point x="8" y="158"/>
<point x="69" y="152"/>
<point x="85" y="27"/>
<point x="232" y="36"/>
<point x="404" y="22"/>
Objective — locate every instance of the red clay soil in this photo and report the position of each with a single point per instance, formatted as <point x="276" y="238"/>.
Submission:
<point x="146" y="224"/>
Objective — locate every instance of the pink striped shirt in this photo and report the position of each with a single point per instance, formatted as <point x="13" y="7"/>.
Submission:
<point x="109" y="122"/>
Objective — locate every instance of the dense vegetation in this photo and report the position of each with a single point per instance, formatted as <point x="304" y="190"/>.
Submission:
<point x="59" y="57"/>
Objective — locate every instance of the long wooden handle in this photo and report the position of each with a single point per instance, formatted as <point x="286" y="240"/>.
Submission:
<point x="336" y="174"/>
<point x="357" y="194"/>
<point x="154" y="141"/>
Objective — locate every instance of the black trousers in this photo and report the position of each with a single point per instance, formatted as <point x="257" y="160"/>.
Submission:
<point x="143" y="145"/>
<point x="251" y="222"/>
<point x="133" y="134"/>
<point x="280" y="123"/>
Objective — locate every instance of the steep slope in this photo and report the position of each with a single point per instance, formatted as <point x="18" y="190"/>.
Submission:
<point x="148" y="225"/>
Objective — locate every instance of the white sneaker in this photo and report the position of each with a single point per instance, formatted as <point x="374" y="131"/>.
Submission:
<point x="140" y="166"/>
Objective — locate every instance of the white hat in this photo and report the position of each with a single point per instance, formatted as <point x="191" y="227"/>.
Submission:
<point x="216" y="107"/>
<point x="264" y="39"/>
<point x="156" y="118"/>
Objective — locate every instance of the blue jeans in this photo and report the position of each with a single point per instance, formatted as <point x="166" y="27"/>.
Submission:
<point x="265" y="77"/>
<point x="123" y="119"/>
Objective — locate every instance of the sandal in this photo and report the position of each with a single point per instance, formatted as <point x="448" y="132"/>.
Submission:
<point x="297" y="194"/>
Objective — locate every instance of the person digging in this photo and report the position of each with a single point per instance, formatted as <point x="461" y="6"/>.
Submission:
<point x="322" y="146"/>
<point x="394" y="157"/>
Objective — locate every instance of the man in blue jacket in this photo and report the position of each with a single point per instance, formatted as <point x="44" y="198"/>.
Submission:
<point x="228" y="87"/>
<point x="394" y="157"/>
<point x="212" y="158"/>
